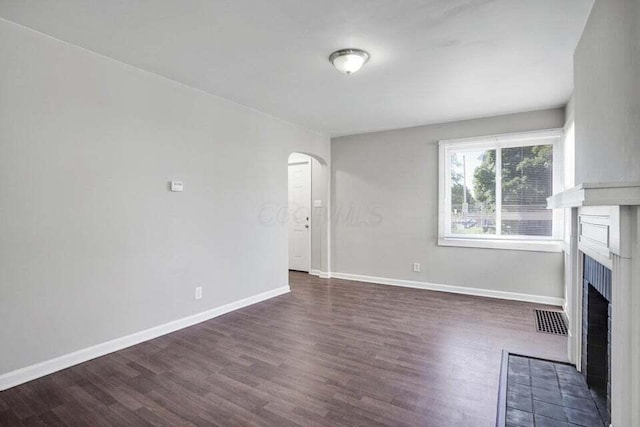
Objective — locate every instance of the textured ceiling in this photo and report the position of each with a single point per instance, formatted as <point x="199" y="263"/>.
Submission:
<point x="432" y="61"/>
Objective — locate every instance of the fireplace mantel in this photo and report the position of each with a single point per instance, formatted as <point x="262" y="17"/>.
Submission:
<point x="597" y="194"/>
<point x="604" y="221"/>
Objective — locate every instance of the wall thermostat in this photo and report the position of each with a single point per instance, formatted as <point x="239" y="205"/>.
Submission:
<point x="177" y="185"/>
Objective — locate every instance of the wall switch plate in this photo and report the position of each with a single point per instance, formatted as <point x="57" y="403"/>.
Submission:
<point x="177" y="186"/>
<point x="317" y="203"/>
<point x="416" y="267"/>
<point x="199" y="292"/>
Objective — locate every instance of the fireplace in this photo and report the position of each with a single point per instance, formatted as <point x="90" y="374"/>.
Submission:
<point x="596" y="333"/>
<point x="602" y="269"/>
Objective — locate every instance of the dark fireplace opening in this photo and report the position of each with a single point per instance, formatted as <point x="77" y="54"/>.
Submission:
<point x="596" y="334"/>
<point x="597" y="351"/>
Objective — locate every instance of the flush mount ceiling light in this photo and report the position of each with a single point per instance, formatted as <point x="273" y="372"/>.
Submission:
<point x="348" y="61"/>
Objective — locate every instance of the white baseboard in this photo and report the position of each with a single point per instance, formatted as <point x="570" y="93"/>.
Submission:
<point x="321" y="274"/>
<point x="23" y="375"/>
<point x="538" y="299"/>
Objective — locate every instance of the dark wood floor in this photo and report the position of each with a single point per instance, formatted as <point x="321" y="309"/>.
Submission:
<point x="329" y="353"/>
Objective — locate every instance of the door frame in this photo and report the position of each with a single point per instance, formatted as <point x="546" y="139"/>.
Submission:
<point x="308" y="161"/>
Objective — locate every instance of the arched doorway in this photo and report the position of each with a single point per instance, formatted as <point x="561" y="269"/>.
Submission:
<point x="307" y="221"/>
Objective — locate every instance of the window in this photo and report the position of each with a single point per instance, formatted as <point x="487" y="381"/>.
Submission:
<point x="493" y="191"/>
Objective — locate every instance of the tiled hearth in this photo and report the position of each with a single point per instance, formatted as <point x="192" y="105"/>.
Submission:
<point x="542" y="393"/>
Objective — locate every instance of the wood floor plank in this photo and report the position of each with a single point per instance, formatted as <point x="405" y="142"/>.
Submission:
<point x="330" y="353"/>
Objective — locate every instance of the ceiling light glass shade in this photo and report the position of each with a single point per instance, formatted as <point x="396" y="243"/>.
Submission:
<point x="348" y="61"/>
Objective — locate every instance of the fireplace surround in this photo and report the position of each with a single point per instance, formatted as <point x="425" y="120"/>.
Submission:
<point x="603" y="223"/>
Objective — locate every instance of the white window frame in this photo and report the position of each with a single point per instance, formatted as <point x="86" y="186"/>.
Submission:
<point x="521" y="139"/>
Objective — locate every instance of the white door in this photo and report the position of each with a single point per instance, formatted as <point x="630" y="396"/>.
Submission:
<point x="299" y="216"/>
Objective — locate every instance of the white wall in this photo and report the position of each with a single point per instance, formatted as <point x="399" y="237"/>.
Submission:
<point x="92" y="244"/>
<point x="388" y="182"/>
<point x="607" y="94"/>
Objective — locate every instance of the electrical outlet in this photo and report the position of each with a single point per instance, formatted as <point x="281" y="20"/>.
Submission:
<point x="416" y="267"/>
<point x="176" y="186"/>
<point x="199" y="292"/>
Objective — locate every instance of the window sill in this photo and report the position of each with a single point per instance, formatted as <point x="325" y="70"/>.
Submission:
<point x="514" y="245"/>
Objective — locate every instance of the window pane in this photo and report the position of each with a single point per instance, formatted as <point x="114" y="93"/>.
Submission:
<point x="527" y="181"/>
<point x="473" y="192"/>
